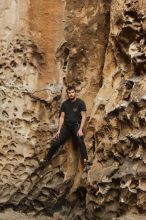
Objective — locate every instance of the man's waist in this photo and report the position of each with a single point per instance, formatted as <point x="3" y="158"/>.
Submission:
<point x="72" y="122"/>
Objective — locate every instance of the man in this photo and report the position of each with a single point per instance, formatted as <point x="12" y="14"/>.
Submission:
<point x="71" y="122"/>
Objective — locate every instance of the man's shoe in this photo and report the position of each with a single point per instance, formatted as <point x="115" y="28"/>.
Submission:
<point x="43" y="162"/>
<point x="86" y="162"/>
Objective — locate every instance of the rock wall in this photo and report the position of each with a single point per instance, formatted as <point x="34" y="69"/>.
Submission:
<point x="100" y="47"/>
<point x="116" y="181"/>
<point x="29" y="94"/>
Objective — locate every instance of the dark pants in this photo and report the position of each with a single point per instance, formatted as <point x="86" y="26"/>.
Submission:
<point x="67" y="131"/>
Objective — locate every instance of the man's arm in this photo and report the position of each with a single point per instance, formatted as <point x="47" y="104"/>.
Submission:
<point x="80" y="131"/>
<point x="61" y="121"/>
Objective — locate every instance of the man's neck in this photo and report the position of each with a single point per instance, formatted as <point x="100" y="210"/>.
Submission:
<point x="73" y="100"/>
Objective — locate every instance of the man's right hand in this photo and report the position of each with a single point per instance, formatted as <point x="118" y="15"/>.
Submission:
<point x="57" y="134"/>
<point x="61" y="121"/>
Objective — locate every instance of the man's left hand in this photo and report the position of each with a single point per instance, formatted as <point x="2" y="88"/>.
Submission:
<point x="80" y="132"/>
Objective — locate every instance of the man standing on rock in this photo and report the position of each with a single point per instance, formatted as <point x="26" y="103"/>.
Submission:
<point x="71" y="122"/>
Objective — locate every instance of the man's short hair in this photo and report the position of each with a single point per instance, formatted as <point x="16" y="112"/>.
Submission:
<point x="71" y="87"/>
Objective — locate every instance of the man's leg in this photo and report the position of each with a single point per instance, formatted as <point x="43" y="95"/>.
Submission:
<point x="56" y="142"/>
<point x="79" y="140"/>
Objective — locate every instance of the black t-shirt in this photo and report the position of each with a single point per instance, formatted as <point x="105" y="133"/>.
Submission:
<point x="73" y="110"/>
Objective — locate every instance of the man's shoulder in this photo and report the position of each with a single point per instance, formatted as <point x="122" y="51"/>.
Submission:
<point x="65" y="102"/>
<point x="80" y="100"/>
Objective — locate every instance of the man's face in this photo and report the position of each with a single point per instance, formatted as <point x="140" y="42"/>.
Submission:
<point x="71" y="94"/>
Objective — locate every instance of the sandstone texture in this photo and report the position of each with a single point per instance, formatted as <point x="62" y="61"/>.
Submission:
<point x="100" y="46"/>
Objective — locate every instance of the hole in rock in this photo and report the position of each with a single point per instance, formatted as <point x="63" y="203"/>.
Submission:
<point x="17" y="50"/>
<point x="1" y="65"/>
<point x="5" y="147"/>
<point x="5" y="114"/>
<point x="81" y="192"/>
<point x="129" y="34"/>
<point x="131" y="13"/>
<point x="13" y="63"/>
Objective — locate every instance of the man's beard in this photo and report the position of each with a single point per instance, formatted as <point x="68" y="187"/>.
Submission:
<point x="72" y="98"/>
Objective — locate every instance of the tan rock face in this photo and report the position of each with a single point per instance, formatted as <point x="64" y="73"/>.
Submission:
<point x="27" y="91"/>
<point x="99" y="46"/>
